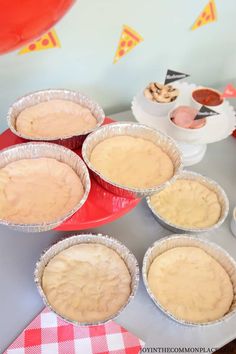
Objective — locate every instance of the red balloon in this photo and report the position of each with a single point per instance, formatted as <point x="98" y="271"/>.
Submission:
<point x="24" y="20"/>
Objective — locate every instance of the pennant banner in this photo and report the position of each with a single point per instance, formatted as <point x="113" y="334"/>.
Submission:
<point x="229" y="91"/>
<point x="208" y="15"/>
<point x="172" y="75"/>
<point x="47" y="41"/>
<point x="205" y="112"/>
<point x="128" y="40"/>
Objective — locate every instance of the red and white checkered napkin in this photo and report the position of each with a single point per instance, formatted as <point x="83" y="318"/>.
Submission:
<point x="48" y="334"/>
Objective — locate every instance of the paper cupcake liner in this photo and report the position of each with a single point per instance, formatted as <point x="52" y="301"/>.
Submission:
<point x="110" y="242"/>
<point x="31" y="99"/>
<point x="209" y="183"/>
<point x="218" y="253"/>
<point x="60" y="153"/>
<point x="137" y="130"/>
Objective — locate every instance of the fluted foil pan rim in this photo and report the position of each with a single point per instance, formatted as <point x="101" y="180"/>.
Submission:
<point x="117" y="246"/>
<point x="213" y="249"/>
<point x="58" y="152"/>
<point x="111" y="130"/>
<point x="223" y="199"/>
<point x="32" y="98"/>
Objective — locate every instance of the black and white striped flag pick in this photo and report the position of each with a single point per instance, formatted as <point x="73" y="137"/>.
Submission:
<point x="205" y="112"/>
<point x="172" y="75"/>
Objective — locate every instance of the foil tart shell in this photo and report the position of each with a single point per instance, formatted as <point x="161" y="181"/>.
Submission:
<point x="185" y="240"/>
<point x="137" y="130"/>
<point x="233" y="222"/>
<point x="35" y="150"/>
<point x="110" y="242"/>
<point x="209" y="183"/>
<point x="71" y="141"/>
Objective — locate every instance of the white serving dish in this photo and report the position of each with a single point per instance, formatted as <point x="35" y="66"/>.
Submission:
<point x="218" y="127"/>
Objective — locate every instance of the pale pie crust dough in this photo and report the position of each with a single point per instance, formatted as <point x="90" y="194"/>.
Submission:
<point x="55" y="118"/>
<point x="87" y="282"/>
<point x="132" y="162"/>
<point x="38" y="190"/>
<point x="188" y="203"/>
<point x="191" y="284"/>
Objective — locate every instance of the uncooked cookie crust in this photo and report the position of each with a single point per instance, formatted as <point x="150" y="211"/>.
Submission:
<point x="132" y="162"/>
<point x="87" y="282"/>
<point x="191" y="284"/>
<point x="188" y="203"/>
<point x="55" y="118"/>
<point x="38" y="190"/>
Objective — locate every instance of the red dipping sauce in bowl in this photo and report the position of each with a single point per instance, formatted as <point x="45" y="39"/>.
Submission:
<point x="207" y="97"/>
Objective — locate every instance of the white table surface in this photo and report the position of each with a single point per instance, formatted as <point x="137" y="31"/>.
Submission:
<point x="20" y="301"/>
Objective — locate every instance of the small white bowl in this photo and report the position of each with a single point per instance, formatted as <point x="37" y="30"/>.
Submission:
<point x="155" y="108"/>
<point x="197" y="105"/>
<point x="233" y="222"/>
<point x="183" y="134"/>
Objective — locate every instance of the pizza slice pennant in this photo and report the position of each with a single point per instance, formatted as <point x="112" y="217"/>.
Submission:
<point x="208" y="15"/>
<point x="128" y="40"/>
<point x="47" y="41"/>
<point x="229" y="91"/>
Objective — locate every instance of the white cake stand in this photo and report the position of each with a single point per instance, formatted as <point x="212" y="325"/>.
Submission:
<point x="192" y="153"/>
<point x="217" y="128"/>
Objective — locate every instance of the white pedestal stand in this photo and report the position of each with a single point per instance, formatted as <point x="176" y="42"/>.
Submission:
<point x="192" y="154"/>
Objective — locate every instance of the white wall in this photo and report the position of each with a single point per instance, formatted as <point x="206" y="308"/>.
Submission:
<point x="89" y="35"/>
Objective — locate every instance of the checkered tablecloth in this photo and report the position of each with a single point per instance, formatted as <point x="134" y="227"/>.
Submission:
<point x="48" y="334"/>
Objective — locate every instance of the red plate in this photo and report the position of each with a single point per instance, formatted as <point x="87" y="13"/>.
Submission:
<point x="101" y="206"/>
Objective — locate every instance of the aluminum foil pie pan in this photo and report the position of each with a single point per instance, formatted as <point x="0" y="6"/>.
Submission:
<point x="209" y="183"/>
<point x="137" y="130"/>
<point x="110" y="242"/>
<point x="31" y="99"/>
<point x="35" y="150"/>
<point x="185" y="240"/>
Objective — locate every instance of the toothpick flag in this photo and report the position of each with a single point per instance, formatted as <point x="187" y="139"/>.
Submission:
<point x="205" y="112"/>
<point x="229" y="91"/>
<point x="172" y="76"/>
